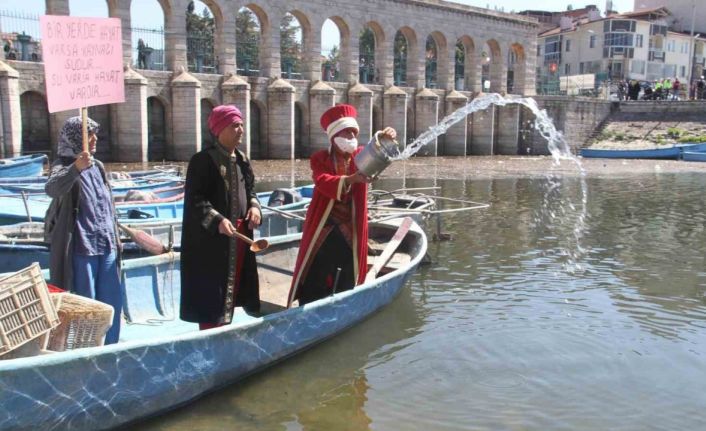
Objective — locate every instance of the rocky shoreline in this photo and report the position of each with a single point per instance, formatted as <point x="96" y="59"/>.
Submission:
<point x="650" y="130"/>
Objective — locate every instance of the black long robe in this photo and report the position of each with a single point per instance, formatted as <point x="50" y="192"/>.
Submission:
<point x="209" y="283"/>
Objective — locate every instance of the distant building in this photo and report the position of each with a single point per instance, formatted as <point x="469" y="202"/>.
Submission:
<point x="635" y="45"/>
<point x="682" y="12"/>
<point x="548" y="20"/>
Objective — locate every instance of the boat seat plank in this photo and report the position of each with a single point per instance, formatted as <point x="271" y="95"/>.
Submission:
<point x="398" y="260"/>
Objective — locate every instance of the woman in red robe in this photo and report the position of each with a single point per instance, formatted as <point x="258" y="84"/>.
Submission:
<point x="334" y="248"/>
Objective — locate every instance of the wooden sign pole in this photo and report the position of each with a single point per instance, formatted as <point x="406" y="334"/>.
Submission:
<point x="84" y="121"/>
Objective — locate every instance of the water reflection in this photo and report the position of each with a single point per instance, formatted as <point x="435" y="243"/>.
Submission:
<point x="496" y="334"/>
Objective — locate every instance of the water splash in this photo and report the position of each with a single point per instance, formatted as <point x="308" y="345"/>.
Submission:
<point x="564" y="211"/>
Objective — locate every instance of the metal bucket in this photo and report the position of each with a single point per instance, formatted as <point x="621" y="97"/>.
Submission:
<point x="376" y="156"/>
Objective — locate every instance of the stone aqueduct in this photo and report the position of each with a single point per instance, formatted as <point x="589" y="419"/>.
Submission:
<point x="282" y="113"/>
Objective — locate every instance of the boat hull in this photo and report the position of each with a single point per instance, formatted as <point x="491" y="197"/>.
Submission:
<point x="23" y="166"/>
<point x="659" y="153"/>
<point x="694" y="156"/>
<point x="104" y="387"/>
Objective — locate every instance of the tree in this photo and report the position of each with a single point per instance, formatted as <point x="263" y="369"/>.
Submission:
<point x="332" y="61"/>
<point x="247" y="36"/>
<point x="200" y="33"/>
<point x="290" y="46"/>
<point x="400" y="58"/>
<point x="366" y="57"/>
<point x="367" y="44"/>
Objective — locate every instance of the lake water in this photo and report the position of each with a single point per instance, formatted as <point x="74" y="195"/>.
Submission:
<point x="497" y="334"/>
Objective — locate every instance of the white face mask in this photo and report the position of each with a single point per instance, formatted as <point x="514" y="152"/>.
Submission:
<point x="346" y="145"/>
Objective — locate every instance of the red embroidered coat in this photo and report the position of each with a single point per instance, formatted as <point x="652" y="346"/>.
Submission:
<point x="328" y="188"/>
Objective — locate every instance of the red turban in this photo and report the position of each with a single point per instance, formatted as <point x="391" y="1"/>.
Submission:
<point x="223" y="116"/>
<point x="339" y="118"/>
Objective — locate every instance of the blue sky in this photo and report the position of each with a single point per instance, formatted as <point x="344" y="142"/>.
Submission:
<point x="150" y="14"/>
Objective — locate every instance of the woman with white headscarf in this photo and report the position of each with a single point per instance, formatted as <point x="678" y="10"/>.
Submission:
<point x="81" y="225"/>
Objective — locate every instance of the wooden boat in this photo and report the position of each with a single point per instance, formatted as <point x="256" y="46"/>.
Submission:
<point x="153" y="212"/>
<point x="23" y="243"/>
<point x="22" y="166"/>
<point x="656" y="153"/>
<point x="168" y="194"/>
<point x="386" y="205"/>
<point x="166" y="170"/>
<point x="16" y="209"/>
<point x="162" y="362"/>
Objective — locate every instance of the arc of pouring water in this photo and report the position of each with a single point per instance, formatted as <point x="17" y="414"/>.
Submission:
<point x="557" y="146"/>
<point x="543" y="125"/>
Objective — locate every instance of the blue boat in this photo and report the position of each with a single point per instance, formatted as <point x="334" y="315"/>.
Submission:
<point x="15" y="209"/>
<point x="23" y="180"/>
<point x="153" y="175"/>
<point x="152" y="212"/>
<point x="36" y="190"/>
<point x="170" y="194"/>
<point x="144" y="185"/>
<point x="167" y="170"/>
<point x="698" y="147"/>
<point x="655" y="153"/>
<point x="22" y="166"/>
<point x="161" y="362"/>
<point x="23" y="243"/>
<point x="694" y="156"/>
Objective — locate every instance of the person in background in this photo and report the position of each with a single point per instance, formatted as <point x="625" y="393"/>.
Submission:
<point x="335" y="232"/>
<point x="218" y="270"/>
<point x="141" y="54"/>
<point x="81" y="224"/>
<point x="634" y="89"/>
<point x="658" y="89"/>
<point x="667" y="85"/>
<point x="676" y="86"/>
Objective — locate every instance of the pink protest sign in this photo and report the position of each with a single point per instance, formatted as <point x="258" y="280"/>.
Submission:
<point x="83" y="61"/>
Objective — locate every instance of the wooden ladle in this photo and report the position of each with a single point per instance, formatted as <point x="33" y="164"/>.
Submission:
<point x="255" y="246"/>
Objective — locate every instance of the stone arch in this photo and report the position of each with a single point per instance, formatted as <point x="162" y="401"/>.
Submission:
<point x="492" y="69"/>
<point x="153" y="54"/>
<point x="259" y="47"/>
<point x="466" y="81"/>
<point x="306" y="51"/>
<point x="516" y="69"/>
<point x="404" y="64"/>
<point x="207" y="138"/>
<point x="36" y="131"/>
<point x="157" y="137"/>
<point x="257" y="125"/>
<point x="371" y="64"/>
<point x="436" y="70"/>
<point x="343" y="68"/>
<point x="203" y="52"/>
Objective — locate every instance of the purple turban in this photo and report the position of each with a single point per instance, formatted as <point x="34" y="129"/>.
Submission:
<point x="223" y="116"/>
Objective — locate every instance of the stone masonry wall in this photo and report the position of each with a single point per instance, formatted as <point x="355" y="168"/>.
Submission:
<point x="480" y="30"/>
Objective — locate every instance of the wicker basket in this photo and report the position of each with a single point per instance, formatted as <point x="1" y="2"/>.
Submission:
<point x="27" y="313"/>
<point x="84" y="322"/>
